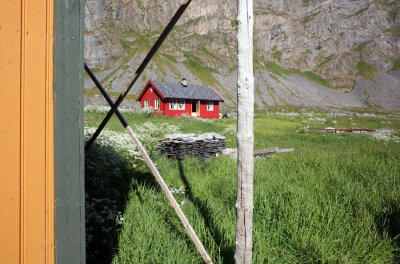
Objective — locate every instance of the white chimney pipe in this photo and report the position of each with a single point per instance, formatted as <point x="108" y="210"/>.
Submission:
<point x="184" y="82"/>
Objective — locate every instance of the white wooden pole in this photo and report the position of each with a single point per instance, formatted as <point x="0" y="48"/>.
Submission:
<point x="245" y="135"/>
<point x="171" y="198"/>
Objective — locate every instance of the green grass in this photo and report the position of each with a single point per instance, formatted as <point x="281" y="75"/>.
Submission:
<point x="395" y="31"/>
<point x="358" y="12"/>
<point x="393" y="13"/>
<point x="276" y="54"/>
<point x="335" y="199"/>
<point x="326" y="60"/>
<point x="396" y="65"/>
<point x="276" y="69"/>
<point x="170" y="57"/>
<point x="95" y="91"/>
<point x="307" y="19"/>
<point x="366" y="70"/>
<point x="361" y="46"/>
<point x="197" y="67"/>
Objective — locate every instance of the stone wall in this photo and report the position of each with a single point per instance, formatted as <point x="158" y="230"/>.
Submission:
<point x="179" y="146"/>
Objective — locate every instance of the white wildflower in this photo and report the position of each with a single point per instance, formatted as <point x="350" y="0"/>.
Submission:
<point x="230" y="130"/>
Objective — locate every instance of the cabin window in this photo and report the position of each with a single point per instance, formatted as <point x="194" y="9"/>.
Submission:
<point x="172" y="105"/>
<point x="151" y="89"/>
<point x="156" y="103"/>
<point x="210" y="106"/>
<point x="181" y="104"/>
<point x="146" y="103"/>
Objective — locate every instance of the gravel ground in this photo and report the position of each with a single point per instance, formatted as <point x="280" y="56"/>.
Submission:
<point x="99" y="100"/>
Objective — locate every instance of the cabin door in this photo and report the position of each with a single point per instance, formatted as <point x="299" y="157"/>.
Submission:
<point x="196" y="108"/>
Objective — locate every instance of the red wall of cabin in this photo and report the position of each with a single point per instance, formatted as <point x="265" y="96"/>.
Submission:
<point x="209" y="114"/>
<point x="151" y="96"/>
<point x="187" y="111"/>
<point x="164" y="106"/>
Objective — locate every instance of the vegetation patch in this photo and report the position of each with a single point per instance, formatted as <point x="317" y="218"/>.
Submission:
<point x="276" y="54"/>
<point x="361" y="46"/>
<point x="233" y="68"/>
<point x="395" y="31"/>
<point x="197" y="67"/>
<point x="365" y="70"/>
<point x="335" y="199"/>
<point x="326" y="60"/>
<point x="126" y="45"/>
<point x="169" y="57"/>
<point x="91" y="92"/>
<point x="396" y="65"/>
<point x="276" y="69"/>
<point x="393" y="13"/>
<point x="358" y="12"/>
<point x="307" y="19"/>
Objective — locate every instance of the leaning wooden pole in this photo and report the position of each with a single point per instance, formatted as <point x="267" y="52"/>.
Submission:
<point x="245" y="135"/>
<point x="171" y="198"/>
<point x="156" y="174"/>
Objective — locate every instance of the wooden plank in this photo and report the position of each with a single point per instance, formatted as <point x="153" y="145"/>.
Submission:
<point x="69" y="155"/>
<point x="265" y="151"/>
<point x="271" y="150"/>
<point x="26" y="191"/>
<point x="36" y="133"/>
<point x="10" y="96"/>
<point x="285" y="150"/>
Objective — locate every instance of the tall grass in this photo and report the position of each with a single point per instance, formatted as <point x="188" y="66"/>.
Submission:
<point x="335" y="199"/>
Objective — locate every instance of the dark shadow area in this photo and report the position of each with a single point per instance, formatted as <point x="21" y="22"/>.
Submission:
<point x="108" y="181"/>
<point x="227" y="252"/>
<point x="390" y="224"/>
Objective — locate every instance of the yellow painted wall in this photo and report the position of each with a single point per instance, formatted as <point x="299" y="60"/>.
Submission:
<point x="26" y="132"/>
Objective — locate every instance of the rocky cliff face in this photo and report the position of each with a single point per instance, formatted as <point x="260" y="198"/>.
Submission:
<point x="336" y="53"/>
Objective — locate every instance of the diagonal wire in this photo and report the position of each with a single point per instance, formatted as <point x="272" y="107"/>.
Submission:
<point x="105" y="94"/>
<point x="139" y="71"/>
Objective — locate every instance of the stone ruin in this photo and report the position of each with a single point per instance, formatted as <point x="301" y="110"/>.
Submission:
<point x="204" y="146"/>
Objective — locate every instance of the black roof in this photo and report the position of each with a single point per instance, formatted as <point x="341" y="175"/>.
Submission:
<point x="191" y="91"/>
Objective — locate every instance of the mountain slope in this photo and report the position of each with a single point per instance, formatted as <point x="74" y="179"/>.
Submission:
<point x="317" y="53"/>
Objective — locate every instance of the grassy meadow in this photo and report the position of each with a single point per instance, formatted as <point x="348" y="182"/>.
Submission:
<point x="335" y="199"/>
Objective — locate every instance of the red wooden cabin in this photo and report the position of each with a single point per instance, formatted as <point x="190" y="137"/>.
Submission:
<point x="175" y="99"/>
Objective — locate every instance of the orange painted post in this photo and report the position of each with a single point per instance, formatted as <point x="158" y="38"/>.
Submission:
<point x="10" y="65"/>
<point x="26" y="132"/>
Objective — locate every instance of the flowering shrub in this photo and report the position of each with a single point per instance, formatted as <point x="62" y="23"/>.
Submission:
<point x="119" y="141"/>
<point x="314" y="120"/>
<point x="105" y="109"/>
<point x="185" y="117"/>
<point x="385" y="138"/>
<point x="290" y="114"/>
<point x="146" y="111"/>
<point x="97" y="109"/>
<point x="108" y="170"/>
<point x="230" y="130"/>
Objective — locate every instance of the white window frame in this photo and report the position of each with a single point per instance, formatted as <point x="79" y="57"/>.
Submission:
<point x="173" y="105"/>
<point x="146" y="103"/>
<point x="181" y="104"/>
<point x="210" y="106"/>
<point x="157" y="104"/>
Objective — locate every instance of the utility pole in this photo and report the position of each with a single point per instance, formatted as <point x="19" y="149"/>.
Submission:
<point x="245" y="135"/>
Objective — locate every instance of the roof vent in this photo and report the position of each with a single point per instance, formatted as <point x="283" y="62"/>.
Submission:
<point x="184" y="82"/>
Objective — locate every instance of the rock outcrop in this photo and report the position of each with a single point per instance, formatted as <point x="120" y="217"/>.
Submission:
<point x="336" y="53"/>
